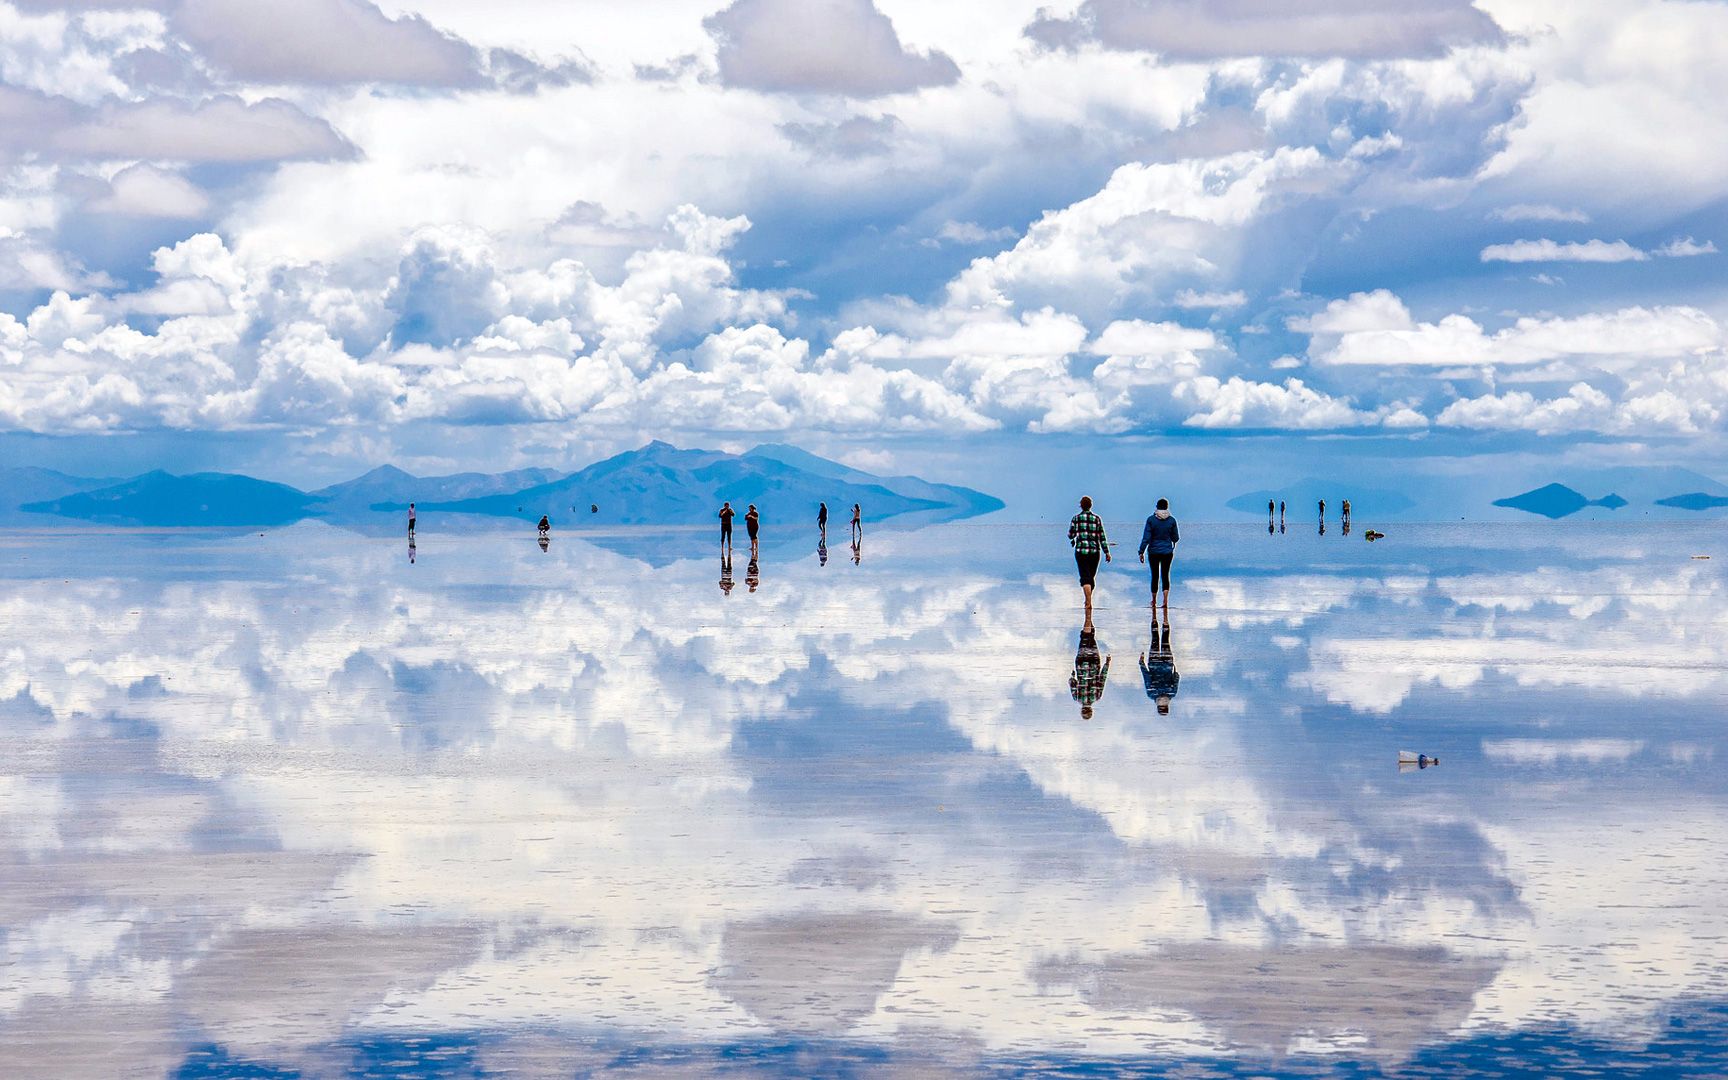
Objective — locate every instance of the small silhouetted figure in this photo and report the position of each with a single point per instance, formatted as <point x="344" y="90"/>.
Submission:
<point x="1346" y="526"/>
<point x="822" y="551"/>
<point x="1322" y="511"/>
<point x="1158" y="670"/>
<point x="1270" y="507"/>
<point x="1280" y="515"/>
<point x="545" y="543"/>
<point x="752" y="523"/>
<point x="593" y="508"/>
<point x="410" y="549"/>
<point x="410" y="519"/>
<point x="857" y="523"/>
<point x="1159" y="540"/>
<point x="752" y="576"/>
<point x="1345" y="507"/>
<point x="857" y="551"/>
<point x="1086" y="535"/>
<point x="1322" y="526"/>
<point x="545" y="526"/>
<point x="726" y="573"/>
<point x="822" y="520"/>
<point x="726" y="516"/>
<point x="1086" y="681"/>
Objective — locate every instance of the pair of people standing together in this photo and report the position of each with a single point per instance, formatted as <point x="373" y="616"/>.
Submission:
<point x="1158" y="539"/>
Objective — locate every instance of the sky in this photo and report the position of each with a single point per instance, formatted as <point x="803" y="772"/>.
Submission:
<point x="948" y="236"/>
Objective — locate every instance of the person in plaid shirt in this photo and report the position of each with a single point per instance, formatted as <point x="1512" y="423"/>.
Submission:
<point x="1086" y="533"/>
<point x="1086" y="683"/>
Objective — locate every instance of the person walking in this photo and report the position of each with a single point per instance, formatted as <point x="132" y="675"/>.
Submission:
<point x="752" y="522"/>
<point x="1159" y="539"/>
<point x="726" y="516"/>
<point x="1086" y="534"/>
<point x="857" y="524"/>
<point x="822" y="521"/>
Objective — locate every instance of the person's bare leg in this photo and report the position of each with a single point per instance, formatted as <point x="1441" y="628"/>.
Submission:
<point x="1086" y="590"/>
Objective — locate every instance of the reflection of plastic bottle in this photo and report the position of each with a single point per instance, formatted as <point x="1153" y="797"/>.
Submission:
<point x="1421" y="761"/>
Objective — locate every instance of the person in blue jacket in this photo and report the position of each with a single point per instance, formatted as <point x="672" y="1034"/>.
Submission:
<point x="1159" y="539"/>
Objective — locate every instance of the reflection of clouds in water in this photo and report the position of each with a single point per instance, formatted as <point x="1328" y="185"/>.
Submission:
<point x="613" y="796"/>
<point x="1617" y="629"/>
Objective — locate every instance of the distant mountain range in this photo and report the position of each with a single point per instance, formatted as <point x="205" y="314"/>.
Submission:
<point x="1305" y="495"/>
<point x="658" y="484"/>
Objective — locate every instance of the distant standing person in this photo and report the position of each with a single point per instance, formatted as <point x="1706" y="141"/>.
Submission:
<point x="822" y="521"/>
<point x="857" y="523"/>
<point x="1346" y="509"/>
<point x="752" y="522"/>
<point x="1322" y="511"/>
<point x="1159" y="539"/>
<point x="726" y="516"/>
<point x="1280" y="515"/>
<point x="410" y="519"/>
<point x="1086" y="533"/>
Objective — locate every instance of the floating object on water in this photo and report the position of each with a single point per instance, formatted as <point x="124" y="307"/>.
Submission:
<point x="1421" y="761"/>
<point x="593" y="508"/>
<point x="1372" y="536"/>
<point x="1695" y="556"/>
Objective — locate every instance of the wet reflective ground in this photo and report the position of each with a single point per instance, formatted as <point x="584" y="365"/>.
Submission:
<point x="290" y="804"/>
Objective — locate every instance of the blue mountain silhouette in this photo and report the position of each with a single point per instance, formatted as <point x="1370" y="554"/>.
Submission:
<point x="661" y="484"/>
<point x="1304" y="496"/>
<point x="1694" y="500"/>
<point x="161" y="499"/>
<point x="1555" y="501"/>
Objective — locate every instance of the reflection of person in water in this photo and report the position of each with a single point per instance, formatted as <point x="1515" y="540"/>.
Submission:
<point x="410" y="548"/>
<point x="822" y="551"/>
<point x="545" y="542"/>
<point x="726" y="572"/>
<point x="752" y="577"/>
<point x="1280" y="518"/>
<point x="1158" y="670"/>
<point x="1086" y="682"/>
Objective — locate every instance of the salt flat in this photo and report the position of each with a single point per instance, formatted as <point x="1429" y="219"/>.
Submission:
<point x="290" y="803"/>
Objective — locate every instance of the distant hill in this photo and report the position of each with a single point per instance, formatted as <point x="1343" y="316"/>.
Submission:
<point x="911" y="486"/>
<point x="1556" y="501"/>
<point x="1695" y="500"/>
<point x="161" y="499"/>
<point x="1305" y="495"/>
<point x="390" y="486"/>
<point x="28" y="484"/>
<point x="1641" y="484"/>
<point x="661" y="484"/>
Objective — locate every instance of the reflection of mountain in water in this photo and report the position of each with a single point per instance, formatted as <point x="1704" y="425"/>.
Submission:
<point x="1557" y="501"/>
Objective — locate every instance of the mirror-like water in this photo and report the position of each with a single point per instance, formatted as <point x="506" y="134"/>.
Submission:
<point x="289" y="804"/>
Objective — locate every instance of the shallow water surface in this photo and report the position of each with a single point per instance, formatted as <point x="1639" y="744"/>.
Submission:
<point x="290" y="804"/>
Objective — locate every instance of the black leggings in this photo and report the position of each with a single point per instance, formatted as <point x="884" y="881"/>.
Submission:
<point x="1088" y="565"/>
<point x="1160" y="565"/>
